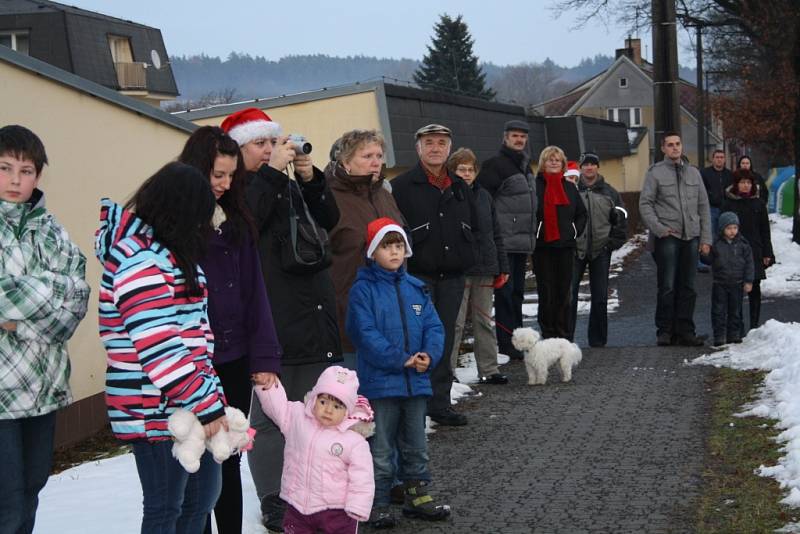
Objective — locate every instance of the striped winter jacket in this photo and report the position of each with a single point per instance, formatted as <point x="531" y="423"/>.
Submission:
<point x="158" y="339"/>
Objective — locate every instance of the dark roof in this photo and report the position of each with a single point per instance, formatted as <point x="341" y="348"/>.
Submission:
<point x="477" y="124"/>
<point x="76" y="40"/>
<point x="83" y="85"/>
<point x="576" y="134"/>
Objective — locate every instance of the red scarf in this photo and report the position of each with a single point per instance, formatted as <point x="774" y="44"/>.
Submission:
<point x="554" y="195"/>
<point x="442" y="181"/>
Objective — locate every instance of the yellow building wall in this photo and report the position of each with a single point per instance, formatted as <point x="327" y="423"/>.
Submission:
<point x="96" y="149"/>
<point x="321" y="121"/>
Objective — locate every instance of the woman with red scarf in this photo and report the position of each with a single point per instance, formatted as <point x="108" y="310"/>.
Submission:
<point x="562" y="217"/>
<point x="743" y="197"/>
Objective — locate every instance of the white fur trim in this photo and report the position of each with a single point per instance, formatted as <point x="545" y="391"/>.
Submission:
<point x="572" y="172"/>
<point x="373" y="245"/>
<point x="250" y="131"/>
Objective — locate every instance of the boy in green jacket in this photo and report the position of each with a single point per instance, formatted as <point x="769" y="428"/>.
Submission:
<point x="43" y="297"/>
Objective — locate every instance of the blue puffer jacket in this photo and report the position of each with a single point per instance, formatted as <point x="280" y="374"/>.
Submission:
<point x="384" y="339"/>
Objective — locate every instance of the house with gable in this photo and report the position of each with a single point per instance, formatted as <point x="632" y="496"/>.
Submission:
<point x="624" y="93"/>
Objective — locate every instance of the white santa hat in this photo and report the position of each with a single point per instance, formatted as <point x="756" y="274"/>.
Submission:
<point x="377" y="230"/>
<point x="250" y="124"/>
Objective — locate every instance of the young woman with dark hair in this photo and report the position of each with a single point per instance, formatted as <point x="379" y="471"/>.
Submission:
<point x="155" y="329"/>
<point x="746" y="163"/>
<point x="246" y="345"/>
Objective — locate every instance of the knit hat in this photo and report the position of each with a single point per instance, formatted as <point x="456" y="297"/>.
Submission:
<point x="338" y="382"/>
<point x="726" y="219"/>
<point x="377" y="230"/>
<point x="572" y="169"/>
<point x="589" y="157"/>
<point x="250" y="124"/>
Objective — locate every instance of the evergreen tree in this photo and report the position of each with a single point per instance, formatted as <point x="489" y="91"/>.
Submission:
<point x="450" y="64"/>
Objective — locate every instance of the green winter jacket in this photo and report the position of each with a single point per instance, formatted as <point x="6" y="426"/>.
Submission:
<point x="43" y="291"/>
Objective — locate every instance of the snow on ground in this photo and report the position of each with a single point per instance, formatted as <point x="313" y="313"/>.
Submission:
<point x="783" y="278"/>
<point x="111" y="489"/>
<point x="773" y="348"/>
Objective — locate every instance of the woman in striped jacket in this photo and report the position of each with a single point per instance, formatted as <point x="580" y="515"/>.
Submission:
<point x="154" y="325"/>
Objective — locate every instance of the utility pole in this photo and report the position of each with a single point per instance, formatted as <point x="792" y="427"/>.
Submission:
<point x="701" y="114"/>
<point x="665" y="72"/>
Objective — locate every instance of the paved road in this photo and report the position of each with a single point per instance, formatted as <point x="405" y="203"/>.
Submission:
<point x="620" y="449"/>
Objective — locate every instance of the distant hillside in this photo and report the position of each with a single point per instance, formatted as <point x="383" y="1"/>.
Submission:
<point x="204" y="80"/>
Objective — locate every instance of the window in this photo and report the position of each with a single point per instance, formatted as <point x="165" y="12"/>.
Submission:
<point x="629" y="116"/>
<point x="15" y="40"/>
<point x="120" y="49"/>
<point x="623" y="82"/>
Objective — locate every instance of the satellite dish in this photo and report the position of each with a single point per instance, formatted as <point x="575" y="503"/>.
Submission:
<point x="155" y="58"/>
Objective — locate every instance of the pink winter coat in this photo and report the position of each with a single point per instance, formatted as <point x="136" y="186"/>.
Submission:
<point x="324" y="468"/>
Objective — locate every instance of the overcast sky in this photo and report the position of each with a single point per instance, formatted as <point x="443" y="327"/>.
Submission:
<point x="505" y="33"/>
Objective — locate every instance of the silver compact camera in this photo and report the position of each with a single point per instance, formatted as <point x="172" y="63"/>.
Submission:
<point x="299" y="143"/>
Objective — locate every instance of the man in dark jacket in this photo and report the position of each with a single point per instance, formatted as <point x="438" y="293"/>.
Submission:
<point x="715" y="178"/>
<point x="508" y="178"/>
<point x="605" y="231"/>
<point x="440" y="211"/>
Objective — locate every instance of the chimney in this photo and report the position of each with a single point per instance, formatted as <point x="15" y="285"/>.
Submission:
<point x="635" y="48"/>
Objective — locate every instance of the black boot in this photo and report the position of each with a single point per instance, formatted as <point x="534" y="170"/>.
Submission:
<point x="420" y="504"/>
<point x="381" y="518"/>
<point x="272" y="510"/>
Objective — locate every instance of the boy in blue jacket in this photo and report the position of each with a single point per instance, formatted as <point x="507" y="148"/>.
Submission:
<point x="398" y="338"/>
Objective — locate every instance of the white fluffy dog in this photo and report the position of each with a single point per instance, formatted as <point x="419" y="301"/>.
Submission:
<point x="542" y="354"/>
<point x="190" y="439"/>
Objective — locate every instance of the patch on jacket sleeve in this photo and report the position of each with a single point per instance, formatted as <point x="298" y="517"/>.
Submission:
<point x="337" y="449"/>
<point x="417" y="309"/>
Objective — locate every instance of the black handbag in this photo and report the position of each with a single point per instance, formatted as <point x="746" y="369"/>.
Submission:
<point x="306" y="250"/>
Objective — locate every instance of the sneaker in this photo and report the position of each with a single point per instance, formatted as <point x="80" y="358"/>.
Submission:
<point x="664" y="339"/>
<point x="690" y="340"/>
<point x="272" y="510"/>
<point x="718" y="344"/>
<point x="496" y="378"/>
<point x="381" y="518"/>
<point x="448" y="417"/>
<point x="420" y="504"/>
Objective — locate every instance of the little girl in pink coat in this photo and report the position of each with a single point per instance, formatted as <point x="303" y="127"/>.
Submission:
<point x="327" y="468"/>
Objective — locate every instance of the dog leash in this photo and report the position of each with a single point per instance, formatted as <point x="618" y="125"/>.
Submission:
<point x="503" y="327"/>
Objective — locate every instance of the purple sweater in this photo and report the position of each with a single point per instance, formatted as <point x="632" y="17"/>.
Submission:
<point x="238" y="309"/>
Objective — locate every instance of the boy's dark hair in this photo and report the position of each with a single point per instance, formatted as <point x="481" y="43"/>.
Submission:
<point x="22" y="143"/>
<point x="177" y="203"/>
<point x="670" y="133"/>
<point x="200" y="151"/>
<point x="391" y="238"/>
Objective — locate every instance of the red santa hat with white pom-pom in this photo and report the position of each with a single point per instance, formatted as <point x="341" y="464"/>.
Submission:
<point x="377" y="230"/>
<point x="250" y="124"/>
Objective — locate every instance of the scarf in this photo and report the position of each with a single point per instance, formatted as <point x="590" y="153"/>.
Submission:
<point x="554" y="195"/>
<point x="441" y="182"/>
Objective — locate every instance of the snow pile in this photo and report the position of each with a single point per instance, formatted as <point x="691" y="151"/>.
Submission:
<point x="783" y="280"/>
<point x="773" y="348"/>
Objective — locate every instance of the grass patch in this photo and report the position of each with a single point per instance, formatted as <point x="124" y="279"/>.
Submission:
<point x="97" y="447"/>
<point x="734" y="498"/>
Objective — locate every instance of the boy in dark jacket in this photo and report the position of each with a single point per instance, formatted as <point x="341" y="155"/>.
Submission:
<point x="731" y="260"/>
<point x="398" y="338"/>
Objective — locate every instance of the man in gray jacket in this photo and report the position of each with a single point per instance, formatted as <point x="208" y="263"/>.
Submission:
<point x="674" y="207"/>
<point x="606" y="230"/>
<point x="508" y="178"/>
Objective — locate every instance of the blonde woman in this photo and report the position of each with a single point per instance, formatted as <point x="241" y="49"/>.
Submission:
<point x="562" y="216"/>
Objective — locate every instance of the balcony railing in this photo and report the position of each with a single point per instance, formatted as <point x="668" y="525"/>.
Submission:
<point x="131" y="75"/>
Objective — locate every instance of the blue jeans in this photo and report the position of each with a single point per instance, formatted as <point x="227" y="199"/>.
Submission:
<point x="598" y="287"/>
<point x="676" y="262"/>
<point x="175" y="502"/>
<point x="26" y="449"/>
<point x="726" y="311"/>
<point x="399" y="426"/>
